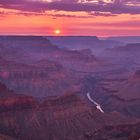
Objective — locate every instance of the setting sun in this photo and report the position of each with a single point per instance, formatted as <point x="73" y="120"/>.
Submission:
<point x="57" y="31"/>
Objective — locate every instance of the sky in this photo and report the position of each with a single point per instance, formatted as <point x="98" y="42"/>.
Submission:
<point x="70" y="17"/>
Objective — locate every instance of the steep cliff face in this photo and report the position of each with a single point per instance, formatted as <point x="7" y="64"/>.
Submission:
<point x="12" y="101"/>
<point x="42" y="78"/>
<point x="120" y="95"/>
<point x="131" y="88"/>
<point x="24" y="49"/>
<point x="34" y="43"/>
<point x="127" y="107"/>
<point x="4" y="91"/>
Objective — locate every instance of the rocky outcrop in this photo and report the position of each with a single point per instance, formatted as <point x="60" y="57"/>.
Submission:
<point x="61" y="118"/>
<point x="4" y="137"/>
<point x="120" y="132"/>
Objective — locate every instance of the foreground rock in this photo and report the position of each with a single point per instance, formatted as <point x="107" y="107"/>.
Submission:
<point x="57" y="118"/>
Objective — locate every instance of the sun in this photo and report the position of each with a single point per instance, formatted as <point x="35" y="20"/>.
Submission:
<point x="57" y="31"/>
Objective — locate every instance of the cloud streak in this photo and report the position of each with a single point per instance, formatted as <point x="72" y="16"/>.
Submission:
<point x="112" y="6"/>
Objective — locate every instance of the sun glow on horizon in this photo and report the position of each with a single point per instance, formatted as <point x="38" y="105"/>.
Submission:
<point x="57" y="31"/>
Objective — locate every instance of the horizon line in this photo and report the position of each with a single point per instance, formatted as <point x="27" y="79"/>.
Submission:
<point x="69" y="35"/>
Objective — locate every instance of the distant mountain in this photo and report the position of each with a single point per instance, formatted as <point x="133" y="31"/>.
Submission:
<point x="133" y="47"/>
<point x="129" y="50"/>
<point x="82" y="42"/>
<point x="27" y="43"/>
<point x="126" y="39"/>
<point x="28" y="49"/>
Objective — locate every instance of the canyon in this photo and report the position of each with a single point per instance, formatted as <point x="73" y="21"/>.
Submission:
<point x="67" y="88"/>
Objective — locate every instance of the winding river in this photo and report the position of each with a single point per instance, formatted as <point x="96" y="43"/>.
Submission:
<point x="94" y="102"/>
